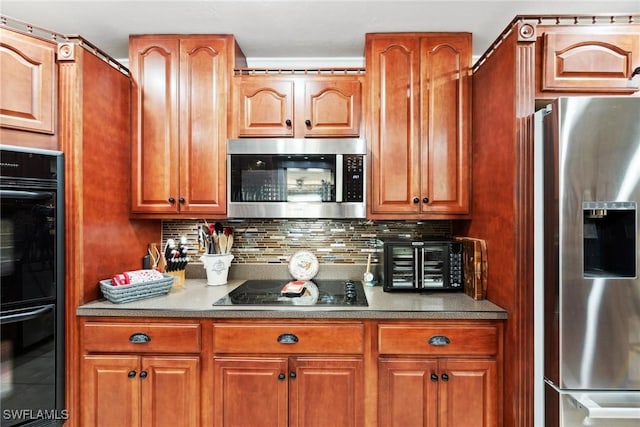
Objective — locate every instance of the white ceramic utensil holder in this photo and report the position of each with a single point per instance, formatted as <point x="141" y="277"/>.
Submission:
<point x="217" y="267"/>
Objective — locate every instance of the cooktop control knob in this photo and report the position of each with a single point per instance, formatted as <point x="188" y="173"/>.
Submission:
<point x="350" y="292"/>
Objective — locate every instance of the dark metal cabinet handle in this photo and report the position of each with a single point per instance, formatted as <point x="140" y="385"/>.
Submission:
<point x="434" y="377"/>
<point x="287" y="339"/>
<point x="181" y="200"/>
<point x="172" y="200"/>
<point x="307" y="123"/>
<point x="416" y="200"/>
<point x="439" y="340"/>
<point x="292" y="375"/>
<point x="143" y="374"/>
<point x="444" y="377"/>
<point x="425" y="200"/>
<point x="139" y="338"/>
<point x="131" y="374"/>
<point x="287" y="122"/>
<point x="281" y="376"/>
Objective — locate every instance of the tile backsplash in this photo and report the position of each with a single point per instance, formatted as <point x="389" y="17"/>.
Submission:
<point x="263" y="241"/>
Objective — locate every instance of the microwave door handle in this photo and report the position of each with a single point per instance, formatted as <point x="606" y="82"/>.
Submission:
<point x="339" y="177"/>
<point x="417" y="267"/>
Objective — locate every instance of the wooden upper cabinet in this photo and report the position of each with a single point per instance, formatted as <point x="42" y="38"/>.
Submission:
<point x="297" y="106"/>
<point x="418" y="85"/>
<point x="265" y="107"/>
<point x="332" y="107"/>
<point x="154" y="65"/>
<point x="590" y="59"/>
<point x="181" y="85"/>
<point x="445" y="123"/>
<point x="28" y="82"/>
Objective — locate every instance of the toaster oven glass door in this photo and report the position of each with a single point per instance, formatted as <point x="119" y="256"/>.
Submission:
<point x="433" y="263"/>
<point x="403" y="266"/>
<point x="416" y="266"/>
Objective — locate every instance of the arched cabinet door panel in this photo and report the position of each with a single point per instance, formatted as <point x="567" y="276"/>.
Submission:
<point x="600" y="60"/>
<point x="28" y="82"/>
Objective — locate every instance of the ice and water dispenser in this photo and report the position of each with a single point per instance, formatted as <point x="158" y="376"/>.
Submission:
<point x="609" y="232"/>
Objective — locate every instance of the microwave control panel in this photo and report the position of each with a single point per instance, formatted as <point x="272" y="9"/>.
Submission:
<point x="353" y="181"/>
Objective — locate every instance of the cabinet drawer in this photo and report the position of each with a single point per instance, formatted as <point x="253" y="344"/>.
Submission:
<point x="289" y="338"/>
<point x="438" y="340"/>
<point x="141" y="337"/>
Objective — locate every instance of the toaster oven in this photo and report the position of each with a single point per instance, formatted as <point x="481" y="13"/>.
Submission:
<point x="422" y="265"/>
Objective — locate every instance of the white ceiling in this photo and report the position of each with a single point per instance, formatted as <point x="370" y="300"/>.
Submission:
<point x="291" y="33"/>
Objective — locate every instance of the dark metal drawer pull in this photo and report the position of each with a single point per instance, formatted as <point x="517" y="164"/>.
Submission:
<point x="139" y="338"/>
<point x="287" y="339"/>
<point x="439" y="340"/>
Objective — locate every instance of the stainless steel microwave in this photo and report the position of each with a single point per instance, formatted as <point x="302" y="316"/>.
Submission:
<point x="422" y="265"/>
<point x="296" y="178"/>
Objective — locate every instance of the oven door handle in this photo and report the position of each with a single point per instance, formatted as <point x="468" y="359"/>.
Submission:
<point x="20" y="194"/>
<point x="25" y="314"/>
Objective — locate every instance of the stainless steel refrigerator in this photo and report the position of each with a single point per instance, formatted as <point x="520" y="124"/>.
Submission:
<point x="588" y="188"/>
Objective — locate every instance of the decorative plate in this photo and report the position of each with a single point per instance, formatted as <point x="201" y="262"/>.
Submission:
<point x="303" y="265"/>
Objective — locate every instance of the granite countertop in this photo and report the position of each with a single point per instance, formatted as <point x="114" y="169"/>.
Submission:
<point x="195" y="300"/>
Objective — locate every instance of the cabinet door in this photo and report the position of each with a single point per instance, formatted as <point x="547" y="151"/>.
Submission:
<point x="203" y="130"/>
<point x="326" y="392"/>
<point x="590" y="60"/>
<point x="468" y="393"/>
<point x="170" y="391"/>
<point x="331" y="107"/>
<point x="155" y="147"/>
<point x="265" y="107"/>
<point x="28" y="81"/>
<point x="110" y="391"/>
<point x="407" y="393"/>
<point x="250" y="392"/>
<point x="444" y="155"/>
<point x="393" y="76"/>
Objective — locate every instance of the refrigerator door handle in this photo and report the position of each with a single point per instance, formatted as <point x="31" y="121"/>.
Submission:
<point x="596" y="411"/>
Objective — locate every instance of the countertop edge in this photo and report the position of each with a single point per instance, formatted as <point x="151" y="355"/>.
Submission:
<point x="293" y="314"/>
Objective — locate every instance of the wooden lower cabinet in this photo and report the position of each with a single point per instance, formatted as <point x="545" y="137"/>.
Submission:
<point x="122" y="390"/>
<point x="431" y="392"/>
<point x="439" y="374"/>
<point x="140" y="374"/>
<point x="290" y="373"/>
<point x="288" y="391"/>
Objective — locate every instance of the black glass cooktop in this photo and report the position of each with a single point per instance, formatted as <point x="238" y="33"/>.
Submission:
<point x="326" y="293"/>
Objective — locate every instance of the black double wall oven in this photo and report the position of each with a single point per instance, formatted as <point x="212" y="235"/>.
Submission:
<point x="32" y="291"/>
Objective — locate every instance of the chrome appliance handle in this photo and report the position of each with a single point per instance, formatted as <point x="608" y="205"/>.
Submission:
<point x="596" y="411"/>
<point x="20" y="194"/>
<point x="339" y="176"/>
<point x="419" y="267"/>
<point x="22" y="315"/>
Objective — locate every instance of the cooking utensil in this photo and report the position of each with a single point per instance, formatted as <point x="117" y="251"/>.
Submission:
<point x="368" y="276"/>
<point x="228" y="231"/>
<point x="222" y="244"/>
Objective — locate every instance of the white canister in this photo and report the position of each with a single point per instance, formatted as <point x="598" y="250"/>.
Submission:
<point x="217" y="267"/>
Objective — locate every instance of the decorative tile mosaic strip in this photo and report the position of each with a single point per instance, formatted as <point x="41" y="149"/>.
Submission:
<point x="332" y="241"/>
